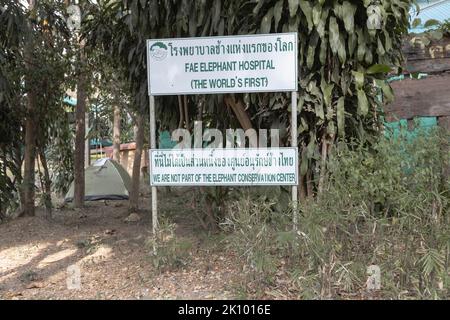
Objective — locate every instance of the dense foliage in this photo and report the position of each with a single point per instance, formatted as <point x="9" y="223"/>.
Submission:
<point x="342" y="62"/>
<point x="387" y="206"/>
<point x="41" y="72"/>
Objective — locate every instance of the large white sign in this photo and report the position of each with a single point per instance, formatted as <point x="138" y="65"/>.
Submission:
<point x="253" y="63"/>
<point x="224" y="167"/>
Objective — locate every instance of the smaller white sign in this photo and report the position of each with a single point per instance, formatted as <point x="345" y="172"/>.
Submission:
<point x="224" y="167"/>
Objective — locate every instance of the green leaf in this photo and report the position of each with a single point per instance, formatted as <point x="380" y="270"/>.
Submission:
<point x="337" y="43"/>
<point x="416" y="22"/>
<point x="363" y="103"/>
<point x="320" y="27"/>
<point x="319" y="110"/>
<point x="323" y="51"/>
<point x="312" y="46"/>
<point x="432" y="261"/>
<point x="307" y="11"/>
<point x="293" y="7"/>
<point x="301" y="101"/>
<point x="431" y="23"/>
<point x="380" y="48"/>
<point x="293" y="24"/>
<point x="387" y="42"/>
<point x="334" y="35"/>
<point x="327" y="90"/>
<point x="257" y="7"/>
<point x="388" y="93"/>
<point x="378" y="68"/>
<point x="277" y="11"/>
<point x="348" y="16"/>
<point x="362" y="47"/>
<point x="342" y="53"/>
<point x="361" y="52"/>
<point x="304" y="164"/>
<point x="303" y="127"/>
<point x="311" y="146"/>
<point x="338" y="11"/>
<point x="368" y="57"/>
<point x="359" y="79"/>
<point x="352" y="42"/>
<point x="267" y="22"/>
<point x="316" y="14"/>
<point x="331" y="129"/>
<point x="340" y="115"/>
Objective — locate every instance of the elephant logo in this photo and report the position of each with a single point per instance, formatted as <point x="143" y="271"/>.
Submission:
<point x="158" y="51"/>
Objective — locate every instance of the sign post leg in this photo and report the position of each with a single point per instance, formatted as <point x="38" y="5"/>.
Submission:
<point x="154" y="191"/>
<point x="294" y="144"/>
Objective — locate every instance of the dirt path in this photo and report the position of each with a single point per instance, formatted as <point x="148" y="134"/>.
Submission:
<point x="113" y="257"/>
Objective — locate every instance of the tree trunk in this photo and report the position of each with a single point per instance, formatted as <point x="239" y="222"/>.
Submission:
<point x="186" y="113"/>
<point x="79" y="183"/>
<point x="3" y="179"/>
<point x="323" y="164"/>
<point x="29" y="159"/>
<point x="302" y="187"/>
<point x="239" y="110"/>
<point x="181" y="109"/>
<point x="116" y="134"/>
<point x="87" y="150"/>
<point x="17" y="173"/>
<point x="30" y="132"/>
<point x="47" y="184"/>
<point x="135" y="179"/>
<point x="309" y="184"/>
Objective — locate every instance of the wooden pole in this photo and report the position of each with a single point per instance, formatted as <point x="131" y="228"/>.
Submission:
<point x="116" y="133"/>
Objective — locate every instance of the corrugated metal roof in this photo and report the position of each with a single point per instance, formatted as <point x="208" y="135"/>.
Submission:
<point x="438" y="10"/>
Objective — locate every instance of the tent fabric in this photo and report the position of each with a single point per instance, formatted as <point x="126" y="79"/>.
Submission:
<point x="105" y="180"/>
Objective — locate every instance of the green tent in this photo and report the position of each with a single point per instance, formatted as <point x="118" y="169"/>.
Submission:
<point x="105" y="180"/>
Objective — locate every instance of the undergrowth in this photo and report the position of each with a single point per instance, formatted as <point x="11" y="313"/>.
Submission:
<point x="385" y="205"/>
<point x="172" y="252"/>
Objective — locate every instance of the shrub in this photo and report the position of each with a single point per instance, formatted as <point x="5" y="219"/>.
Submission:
<point x="172" y="253"/>
<point x="384" y="205"/>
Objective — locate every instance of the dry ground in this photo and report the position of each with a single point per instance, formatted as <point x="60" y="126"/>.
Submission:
<point x="113" y="257"/>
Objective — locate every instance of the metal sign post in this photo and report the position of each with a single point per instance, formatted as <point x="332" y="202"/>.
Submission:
<point x="294" y="144"/>
<point x="154" y="190"/>
<point x="220" y="65"/>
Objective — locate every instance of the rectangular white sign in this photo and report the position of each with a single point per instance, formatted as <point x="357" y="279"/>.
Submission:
<point x="224" y="167"/>
<point x="210" y="65"/>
